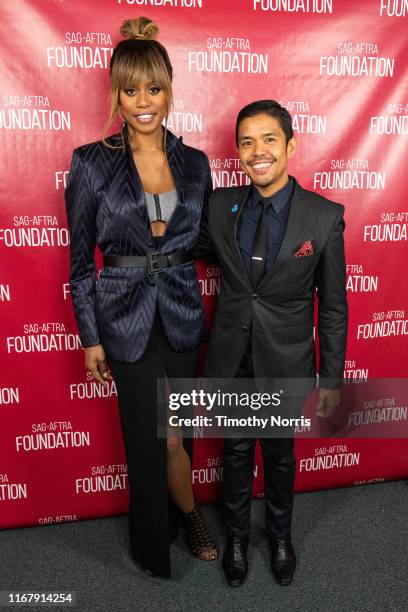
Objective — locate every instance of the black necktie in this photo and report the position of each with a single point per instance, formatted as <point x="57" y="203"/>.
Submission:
<point x="259" y="246"/>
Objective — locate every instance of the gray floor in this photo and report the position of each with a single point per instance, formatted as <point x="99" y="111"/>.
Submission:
<point x="351" y="545"/>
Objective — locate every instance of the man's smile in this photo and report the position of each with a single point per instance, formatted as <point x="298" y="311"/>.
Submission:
<point x="261" y="167"/>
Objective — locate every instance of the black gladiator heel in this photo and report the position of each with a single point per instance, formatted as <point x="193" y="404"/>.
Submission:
<point x="198" y="536"/>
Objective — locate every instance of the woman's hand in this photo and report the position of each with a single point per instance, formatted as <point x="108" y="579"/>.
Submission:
<point x="95" y="363"/>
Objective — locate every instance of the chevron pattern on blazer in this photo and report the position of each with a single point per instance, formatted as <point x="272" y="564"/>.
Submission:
<point x="106" y="207"/>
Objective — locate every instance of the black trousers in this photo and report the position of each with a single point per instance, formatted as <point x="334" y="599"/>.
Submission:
<point x="279" y="475"/>
<point x="153" y="517"/>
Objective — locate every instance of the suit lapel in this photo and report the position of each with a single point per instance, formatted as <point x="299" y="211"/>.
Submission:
<point x="297" y="215"/>
<point x="237" y="204"/>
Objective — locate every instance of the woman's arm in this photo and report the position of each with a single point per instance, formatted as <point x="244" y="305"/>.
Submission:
<point x="81" y="215"/>
<point x="203" y="248"/>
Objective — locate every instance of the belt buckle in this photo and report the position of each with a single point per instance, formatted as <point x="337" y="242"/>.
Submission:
<point x="152" y="267"/>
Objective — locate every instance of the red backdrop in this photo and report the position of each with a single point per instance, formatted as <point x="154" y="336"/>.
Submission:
<point x="338" y="66"/>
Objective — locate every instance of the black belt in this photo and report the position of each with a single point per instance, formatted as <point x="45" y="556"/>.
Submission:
<point x="152" y="262"/>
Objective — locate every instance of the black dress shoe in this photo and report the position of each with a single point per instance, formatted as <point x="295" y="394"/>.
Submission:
<point x="283" y="559"/>
<point x="234" y="562"/>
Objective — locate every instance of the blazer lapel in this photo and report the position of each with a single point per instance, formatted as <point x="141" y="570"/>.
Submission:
<point x="238" y="202"/>
<point x="176" y="162"/>
<point x="136" y="187"/>
<point x="297" y="214"/>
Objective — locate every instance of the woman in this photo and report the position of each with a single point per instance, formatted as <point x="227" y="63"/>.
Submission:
<point x="139" y="196"/>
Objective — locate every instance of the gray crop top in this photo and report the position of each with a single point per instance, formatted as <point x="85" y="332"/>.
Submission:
<point x="161" y="205"/>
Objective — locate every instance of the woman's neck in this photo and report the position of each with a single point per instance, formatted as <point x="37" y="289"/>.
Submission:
<point x="146" y="142"/>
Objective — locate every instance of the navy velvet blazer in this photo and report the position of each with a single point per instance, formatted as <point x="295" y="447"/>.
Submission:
<point x="106" y="206"/>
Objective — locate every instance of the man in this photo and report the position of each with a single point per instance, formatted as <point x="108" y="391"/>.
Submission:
<point x="276" y="244"/>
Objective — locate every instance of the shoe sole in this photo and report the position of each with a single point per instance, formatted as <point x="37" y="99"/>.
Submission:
<point x="235" y="583"/>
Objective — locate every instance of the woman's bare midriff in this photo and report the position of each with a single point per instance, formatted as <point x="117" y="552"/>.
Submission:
<point x="158" y="228"/>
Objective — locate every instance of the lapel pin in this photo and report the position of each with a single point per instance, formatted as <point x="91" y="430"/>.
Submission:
<point x="234" y="208"/>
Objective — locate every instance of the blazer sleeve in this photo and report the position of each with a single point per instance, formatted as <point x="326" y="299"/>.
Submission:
<point x="332" y="307"/>
<point x="203" y="248"/>
<point x="81" y="216"/>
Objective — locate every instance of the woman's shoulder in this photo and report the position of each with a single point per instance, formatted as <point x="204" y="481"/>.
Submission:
<point x="194" y="153"/>
<point x="194" y="156"/>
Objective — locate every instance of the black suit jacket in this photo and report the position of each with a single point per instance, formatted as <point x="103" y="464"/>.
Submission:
<point x="106" y="206"/>
<point x="280" y="308"/>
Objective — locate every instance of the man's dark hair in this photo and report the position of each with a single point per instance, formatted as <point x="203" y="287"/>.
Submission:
<point x="269" y="107"/>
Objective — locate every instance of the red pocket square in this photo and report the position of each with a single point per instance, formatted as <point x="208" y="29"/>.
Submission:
<point x="304" y="250"/>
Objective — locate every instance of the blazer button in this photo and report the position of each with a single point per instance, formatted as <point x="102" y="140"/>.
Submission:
<point x="254" y="296"/>
<point x="245" y="328"/>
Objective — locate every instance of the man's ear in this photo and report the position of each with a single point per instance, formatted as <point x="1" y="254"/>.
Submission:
<point x="291" y="148"/>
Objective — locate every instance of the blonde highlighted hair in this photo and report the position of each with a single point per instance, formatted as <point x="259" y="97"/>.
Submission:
<point x="139" y="58"/>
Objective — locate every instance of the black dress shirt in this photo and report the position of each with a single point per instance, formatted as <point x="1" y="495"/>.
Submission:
<point x="277" y="216"/>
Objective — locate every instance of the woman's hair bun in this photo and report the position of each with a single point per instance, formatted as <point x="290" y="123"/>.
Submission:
<point x="142" y="28"/>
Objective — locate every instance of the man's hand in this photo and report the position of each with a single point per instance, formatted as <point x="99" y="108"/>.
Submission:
<point x="327" y="402"/>
<point x="95" y="363"/>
